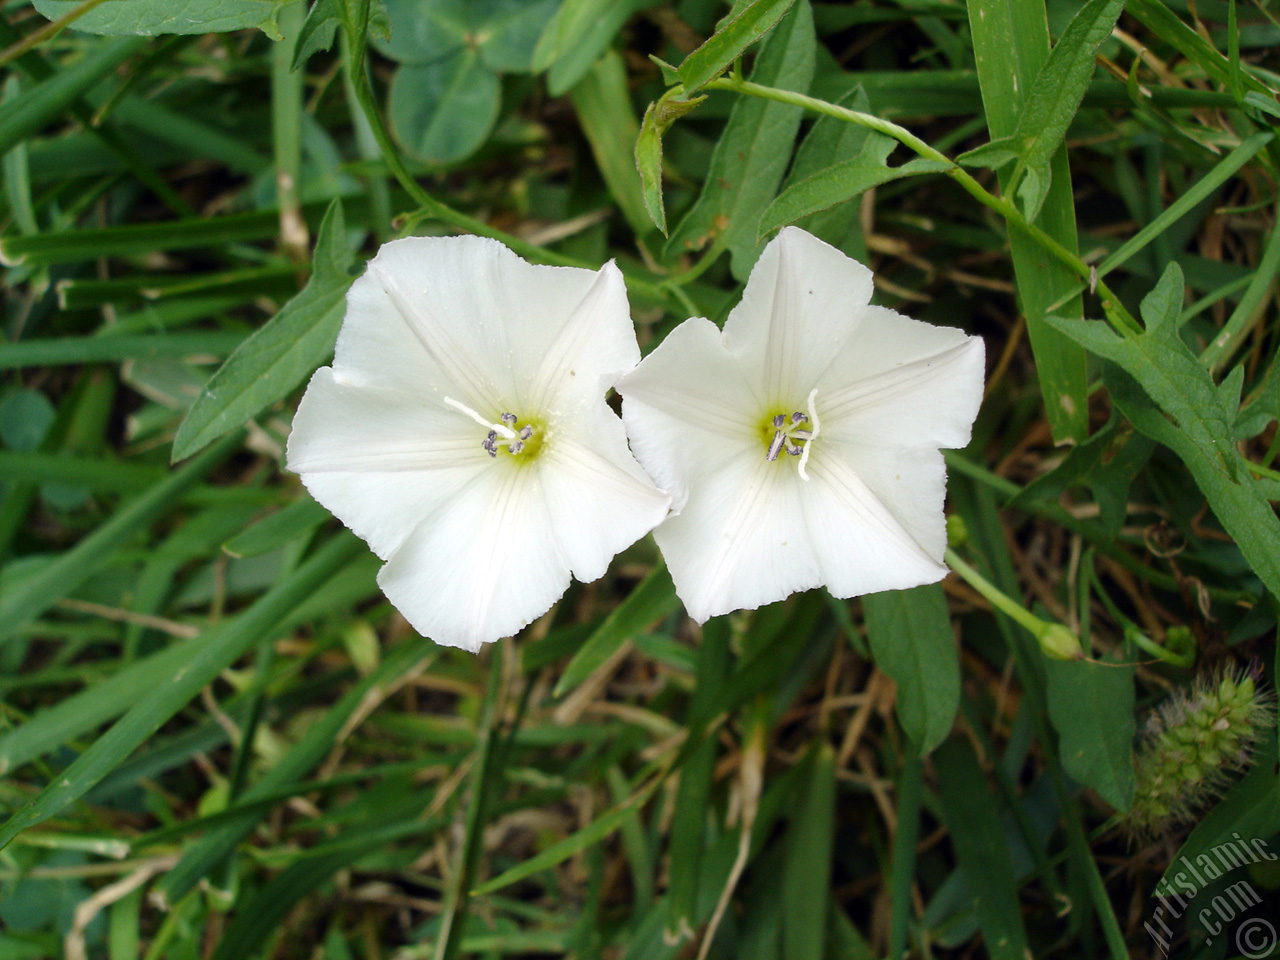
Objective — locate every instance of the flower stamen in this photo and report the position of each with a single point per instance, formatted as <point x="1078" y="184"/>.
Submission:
<point x="501" y="429"/>
<point x="504" y="430"/>
<point x="794" y="434"/>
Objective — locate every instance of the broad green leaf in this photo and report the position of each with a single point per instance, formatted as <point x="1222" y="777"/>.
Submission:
<point x="1091" y="706"/>
<point x="972" y="817"/>
<point x="806" y="871"/>
<point x="992" y="155"/>
<point x="512" y="32"/>
<point x="657" y="118"/>
<point x="603" y="103"/>
<point x="911" y="640"/>
<point x="653" y="598"/>
<point x="218" y="649"/>
<point x="828" y="142"/>
<point x="150" y="18"/>
<point x="277" y="357"/>
<point x="443" y="111"/>
<point x="1055" y="97"/>
<point x="752" y="152"/>
<point x="842" y="181"/>
<point x="1191" y="415"/>
<point x="729" y="41"/>
<point x="502" y="34"/>
<point x="1239" y="502"/>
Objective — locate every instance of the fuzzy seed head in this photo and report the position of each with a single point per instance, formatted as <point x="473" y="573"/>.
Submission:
<point x="1192" y="746"/>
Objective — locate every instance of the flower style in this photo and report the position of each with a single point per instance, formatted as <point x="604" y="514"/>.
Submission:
<point x="801" y="445"/>
<point x="462" y="431"/>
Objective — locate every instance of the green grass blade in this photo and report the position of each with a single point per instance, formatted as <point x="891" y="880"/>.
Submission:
<point x="73" y="350"/>
<point x="1251" y="308"/>
<point x="903" y="864"/>
<point x="653" y="598"/>
<point x="218" y="649"/>
<point x="603" y="104"/>
<point x="51" y="98"/>
<point x="204" y="856"/>
<point x="981" y="849"/>
<point x="752" y="153"/>
<point x="1010" y="45"/>
<point x="806" y="871"/>
<point x="73" y="567"/>
<point x="1203" y="188"/>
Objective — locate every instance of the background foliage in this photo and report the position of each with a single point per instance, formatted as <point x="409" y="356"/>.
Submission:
<point x="218" y="740"/>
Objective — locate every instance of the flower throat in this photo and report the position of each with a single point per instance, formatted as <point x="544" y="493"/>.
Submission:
<point x="507" y="435"/>
<point x="793" y="433"/>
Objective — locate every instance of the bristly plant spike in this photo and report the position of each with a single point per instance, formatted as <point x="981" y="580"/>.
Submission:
<point x="462" y="431"/>
<point x="801" y="445"/>
<point x="1194" y="742"/>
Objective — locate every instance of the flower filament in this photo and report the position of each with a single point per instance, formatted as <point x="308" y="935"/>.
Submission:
<point x="794" y="434"/>
<point x="507" y="428"/>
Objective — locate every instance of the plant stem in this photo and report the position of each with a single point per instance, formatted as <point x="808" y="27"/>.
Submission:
<point x="1115" y="310"/>
<point x="1055" y="640"/>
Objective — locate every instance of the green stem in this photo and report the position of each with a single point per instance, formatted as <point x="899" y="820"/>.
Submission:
<point x="1119" y="316"/>
<point x="1055" y="640"/>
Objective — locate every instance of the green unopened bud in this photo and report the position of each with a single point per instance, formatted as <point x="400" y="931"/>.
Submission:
<point x="957" y="531"/>
<point x="1059" y="643"/>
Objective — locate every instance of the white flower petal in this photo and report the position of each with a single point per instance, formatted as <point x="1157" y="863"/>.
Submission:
<point x="482" y="566"/>
<point x="344" y="428"/>
<point x="688" y="409"/>
<point x="860" y="399"/>
<point x="373" y="460"/>
<point x="478" y="323"/>
<point x="463" y="432"/>
<point x="598" y="499"/>
<point x="740" y="541"/>
<point x="899" y="380"/>
<point x="587" y="348"/>
<point x="803" y="301"/>
<point x="860" y="543"/>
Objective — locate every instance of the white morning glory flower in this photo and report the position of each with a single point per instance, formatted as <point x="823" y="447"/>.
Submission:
<point x="462" y="431"/>
<point x="801" y="445"/>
